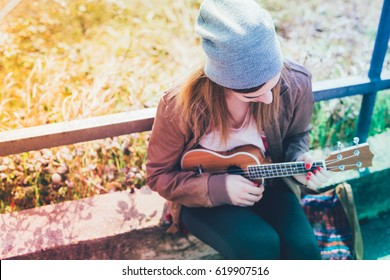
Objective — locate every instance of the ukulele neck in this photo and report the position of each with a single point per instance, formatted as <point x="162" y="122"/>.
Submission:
<point x="280" y="169"/>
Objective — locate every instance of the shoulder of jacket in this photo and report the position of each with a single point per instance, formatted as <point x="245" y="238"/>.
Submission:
<point x="299" y="74"/>
<point x="299" y="78"/>
<point x="167" y="101"/>
<point x="168" y="111"/>
<point x="297" y="69"/>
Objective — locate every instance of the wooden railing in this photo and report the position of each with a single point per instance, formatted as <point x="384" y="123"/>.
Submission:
<point x="65" y="133"/>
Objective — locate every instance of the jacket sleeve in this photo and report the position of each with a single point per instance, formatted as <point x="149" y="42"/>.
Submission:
<point x="296" y="141"/>
<point x="166" y="145"/>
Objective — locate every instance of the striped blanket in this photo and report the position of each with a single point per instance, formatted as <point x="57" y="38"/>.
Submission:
<point x="330" y="224"/>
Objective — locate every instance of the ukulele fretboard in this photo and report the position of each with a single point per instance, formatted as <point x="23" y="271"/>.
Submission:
<point x="280" y="169"/>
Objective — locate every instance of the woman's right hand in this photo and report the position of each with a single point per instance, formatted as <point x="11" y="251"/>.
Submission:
<point x="243" y="192"/>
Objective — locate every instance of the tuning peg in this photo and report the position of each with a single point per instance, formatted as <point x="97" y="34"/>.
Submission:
<point x="339" y="145"/>
<point x="356" y="140"/>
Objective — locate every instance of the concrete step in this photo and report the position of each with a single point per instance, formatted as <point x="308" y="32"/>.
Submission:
<point x="376" y="237"/>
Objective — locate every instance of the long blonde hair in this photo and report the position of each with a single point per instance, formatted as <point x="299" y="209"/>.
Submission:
<point x="203" y="106"/>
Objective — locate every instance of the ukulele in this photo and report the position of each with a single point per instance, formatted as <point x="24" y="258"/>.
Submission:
<point x="250" y="162"/>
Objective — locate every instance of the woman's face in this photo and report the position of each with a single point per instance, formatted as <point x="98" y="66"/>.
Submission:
<point x="263" y="94"/>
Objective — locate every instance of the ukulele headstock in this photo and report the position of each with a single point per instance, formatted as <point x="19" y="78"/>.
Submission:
<point x="355" y="157"/>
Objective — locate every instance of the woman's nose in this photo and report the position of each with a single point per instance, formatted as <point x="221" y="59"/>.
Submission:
<point x="266" y="98"/>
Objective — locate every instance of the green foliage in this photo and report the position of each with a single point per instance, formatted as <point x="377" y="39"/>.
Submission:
<point x="381" y="117"/>
<point x="336" y="120"/>
<point x="54" y="175"/>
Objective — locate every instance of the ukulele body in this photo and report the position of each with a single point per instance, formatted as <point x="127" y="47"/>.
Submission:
<point x="234" y="161"/>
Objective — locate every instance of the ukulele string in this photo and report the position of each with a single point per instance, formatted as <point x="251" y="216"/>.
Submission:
<point x="337" y="160"/>
<point x="265" y="171"/>
<point x="338" y="168"/>
<point x="269" y="172"/>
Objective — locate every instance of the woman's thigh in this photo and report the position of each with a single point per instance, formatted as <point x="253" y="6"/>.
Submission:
<point x="235" y="232"/>
<point x="283" y="211"/>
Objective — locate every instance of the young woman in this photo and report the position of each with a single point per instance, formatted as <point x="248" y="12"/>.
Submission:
<point x="244" y="94"/>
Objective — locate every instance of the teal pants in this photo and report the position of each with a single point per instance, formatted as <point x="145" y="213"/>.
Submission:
<point x="274" y="228"/>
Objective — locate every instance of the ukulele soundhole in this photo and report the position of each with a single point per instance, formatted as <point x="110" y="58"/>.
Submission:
<point x="233" y="169"/>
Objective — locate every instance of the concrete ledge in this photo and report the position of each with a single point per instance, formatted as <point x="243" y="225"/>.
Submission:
<point x="119" y="225"/>
<point x="371" y="194"/>
<point x="145" y="244"/>
<point x="72" y="222"/>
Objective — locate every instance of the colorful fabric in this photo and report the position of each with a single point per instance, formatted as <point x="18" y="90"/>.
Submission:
<point x="330" y="224"/>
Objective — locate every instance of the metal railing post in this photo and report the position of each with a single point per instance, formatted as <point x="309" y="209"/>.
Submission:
<point x="376" y="65"/>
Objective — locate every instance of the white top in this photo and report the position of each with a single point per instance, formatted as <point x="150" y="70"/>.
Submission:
<point x="245" y="135"/>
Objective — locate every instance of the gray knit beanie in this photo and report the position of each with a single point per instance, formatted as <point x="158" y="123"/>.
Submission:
<point x="239" y="39"/>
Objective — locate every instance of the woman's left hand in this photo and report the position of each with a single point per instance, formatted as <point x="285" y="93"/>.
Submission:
<point x="313" y="179"/>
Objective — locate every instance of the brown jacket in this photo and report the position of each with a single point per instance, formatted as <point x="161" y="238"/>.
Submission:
<point x="171" y="138"/>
